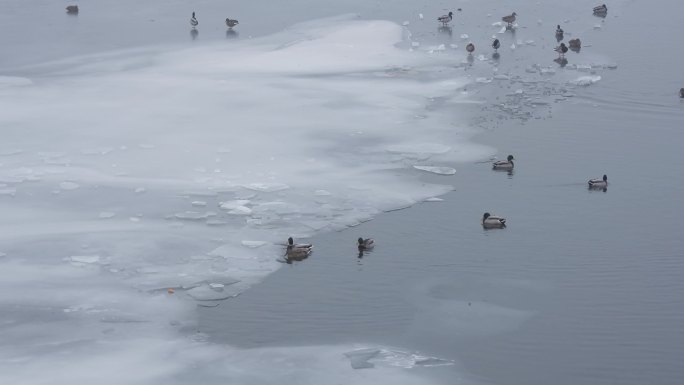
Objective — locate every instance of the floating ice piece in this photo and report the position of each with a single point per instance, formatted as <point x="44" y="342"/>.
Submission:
<point x="434" y="199"/>
<point x="359" y="358"/>
<point x="194" y="215"/>
<point x="240" y="210"/>
<point x="597" y="26"/>
<point x="453" y="46"/>
<point x="106" y="215"/>
<point x="267" y="187"/>
<point x="497" y="24"/>
<point x="513" y="46"/>
<point x="206" y="293"/>
<point x="420" y="16"/>
<point x="86" y="259"/>
<point x="502" y="77"/>
<point x="405" y="23"/>
<point x="583" y="67"/>
<point x="134" y="219"/>
<point x="198" y="203"/>
<point x="502" y="30"/>
<point x="322" y="193"/>
<point x="216" y="222"/>
<point x="229" y="205"/>
<point x="530" y="42"/>
<point x="140" y="190"/>
<point x="483" y="80"/>
<point x="216" y="286"/>
<point x="415" y="44"/>
<point x="437" y="170"/>
<point x="68" y="185"/>
<point x="440" y="47"/>
<point x="419" y="148"/>
<point x="464" y="36"/>
<point x="586" y="80"/>
<point x="253" y="244"/>
<point x="548" y="71"/>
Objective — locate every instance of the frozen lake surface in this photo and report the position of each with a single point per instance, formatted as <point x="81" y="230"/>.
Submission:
<point x="149" y="176"/>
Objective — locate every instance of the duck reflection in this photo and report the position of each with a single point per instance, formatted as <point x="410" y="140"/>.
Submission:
<point x="445" y="30"/>
<point x="561" y="61"/>
<point x="194" y="33"/>
<point x="232" y="34"/>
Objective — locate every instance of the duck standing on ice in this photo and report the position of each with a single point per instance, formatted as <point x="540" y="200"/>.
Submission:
<point x="193" y="21"/>
<point x="445" y="19"/>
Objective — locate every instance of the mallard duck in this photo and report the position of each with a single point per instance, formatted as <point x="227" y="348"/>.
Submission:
<point x="193" y="21"/>
<point x="561" y="49"/>
<point x="297" y="250"/>
<point x="366" y="244"/>
<point x="601" y="9"/>
<point x="510" y="19"/>
<point x="599" y="183"/>
<point x="231" y="23"/>
<point x="681" y="92"/>
<point x="445" y="19"/>
<point x="575" y="44"/>
<point x="504" y="164"/>
<point x="492" y="222"/>
<point x="559" y="30"/>
<point x="496" y="44"/>
<point x="72" y="9"/>
<point x="470" y="48"/>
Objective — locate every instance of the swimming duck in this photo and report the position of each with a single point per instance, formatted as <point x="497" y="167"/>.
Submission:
<point x="72" y="9"/>
<point x="681" y="92"/>
<point x="510" y="19"/>
<point x="193" y="21"/>
<point x="298" y="250"/>
<point x="445" y="19"/>
<point x="575" y="44"/>
<point x="599" y="183"/>
<point x="470" y="48"/>
<point x="231" y="23"/>
<point x="504" y="164"/>
<point x="496" y="44"/>
<point x="561" y="49"/>
<point x="601" y="9"/>
<point x="559" y="30"/>
<point x="492" y="222"/>
<point x="366" y="244"/>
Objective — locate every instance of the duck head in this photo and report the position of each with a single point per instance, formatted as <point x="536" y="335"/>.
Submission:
<point x="290" y="241"/>
<point x="193" y="15"/>
<point x="605" y="178"/>
<point x="485" y="216"/>
<point x="360" y="241"/>
<point x="451" y="14"/>
<point x="510" y="158"/>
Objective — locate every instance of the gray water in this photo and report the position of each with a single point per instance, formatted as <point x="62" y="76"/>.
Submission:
<point x="582" y="287"/>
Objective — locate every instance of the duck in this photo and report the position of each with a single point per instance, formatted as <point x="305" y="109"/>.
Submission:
<point x="599" y="183"/>
<point x="298" y="250"/>
<point x="561" y="49"/>
<point x="681" y="92"/>
<point x="575" y="44"/>
<point x="366" y="244"/>
<point x="493" y="222"/>
<point x="496" y="44"/>
<point x="559" y="30"/>
<point x="510" y="19"/>
<point x="601" y="9"/>
<point x="72" y="9"/>
<point x="231" y="22"/>
<point x="445" y="19"/>
<point x="504" y="164"/>
<point x="470" y="48"/>
<point x="193" y="21"/>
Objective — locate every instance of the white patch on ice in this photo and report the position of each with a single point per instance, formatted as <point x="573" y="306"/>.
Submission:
<point x="586" y="80"/>
<point x="437" y="170"/>
<point x="198" y="203"/>
<point x="267" y="187"/>
<point x="253" y="244"/>
<point x="434" y="199"/>
<point x="106" y="215"/>
<point x="86" y="259"/>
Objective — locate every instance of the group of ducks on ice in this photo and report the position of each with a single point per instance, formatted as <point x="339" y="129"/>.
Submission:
<point x="299" y="251"/>
<point x="562" y="49"/>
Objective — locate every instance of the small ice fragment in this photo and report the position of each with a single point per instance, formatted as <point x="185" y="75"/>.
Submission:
<point x="529" y="42"/>
<point x="106" y="215"/>
<point x="359" y="358"/>
<point x="440" y="47"/>
<point x="501" y="77"/>
<point x="405" y="23"/>
<point x="240" y="210"/>
<point x="453" y="46"/>
<point x="513" y="46"/>
<point x="140" y="190"/>
<point x="253" y="244"/>
<point x="420" y="16"/>
<point x="415" y="44"/>
<point x="597" y="26"/>
<point x="194" y="215"/>
<point x="267" y="187"/>
<point x="464" y="36"/>
<point x="68" y="185"/>
<point x="437" y="170"/>
<point x="229" y="205"/>
<point x="483" y="80"/>
<point x="322" y="193"/>
<point x="134" y="219"/>
<point x="85" y="258"/>
<point x="586" y="80"/>
<point x="198" y="203"/>
<point x="217" y="286"/>
<point x="497" y="24"/>
<point x="434" y="199"/>
<point x="502" y="30"/>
